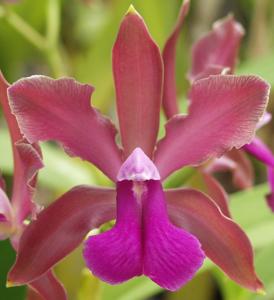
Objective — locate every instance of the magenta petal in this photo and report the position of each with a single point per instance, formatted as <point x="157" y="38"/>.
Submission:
<point x="48" y="109"/>
<point x="169" y="57"/>
<point x="217" y="50"/>
<point x="172" y="256"/>
<point x="259" y="150"/>
<point x="137" y="69"/>
<point x="270" y="196"/>
<point x="49" y="287"/>
<point x="207" y="132"/>
<point x="223" y="241"/>
<point x="116" y="255"/>
<point x="62" y="227"/>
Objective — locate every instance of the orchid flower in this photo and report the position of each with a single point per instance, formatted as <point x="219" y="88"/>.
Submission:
<point x="27" y="162"/>
<point x="216" y="53"/>
<point x="162" y="234"/>
<point x="226" y="37"/>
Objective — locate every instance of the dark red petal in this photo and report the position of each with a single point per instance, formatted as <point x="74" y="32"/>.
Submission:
<point x="59" y="229"/>
<point x="137" y="69"/>
<point x="223" y="113"/>
<point x="48" y="109"/>
<point x="217" y="50"/>
<point x="223" y="241"/>
<point x="49" y="287"/>
<point x="27" y="161"/>
<point x="169" y="56"/>
<point x="217" y="193"/>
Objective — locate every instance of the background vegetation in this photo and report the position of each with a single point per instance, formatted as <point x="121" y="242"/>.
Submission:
<point x="75" y="38"/>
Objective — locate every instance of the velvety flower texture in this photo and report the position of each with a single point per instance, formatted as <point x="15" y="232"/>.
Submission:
<point x="164" y="235"/>
<point x="13" y="212"/>
<point x="216" y="53"/>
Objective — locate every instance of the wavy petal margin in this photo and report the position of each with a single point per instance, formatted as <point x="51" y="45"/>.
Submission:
<point x="62" y="227"/>
<point x="223" y="241"/>
<point x="223" y="114"/>
<point x="59" y="110"/>
<point x="217" y="50"/>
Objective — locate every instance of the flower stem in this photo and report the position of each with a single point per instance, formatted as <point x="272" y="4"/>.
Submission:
<point x="28" y="32"/>
<point x="48" y="45"/>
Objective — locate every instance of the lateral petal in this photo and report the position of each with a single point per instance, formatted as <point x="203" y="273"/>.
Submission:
<point x="206" y="183"/>
<point x="27" y="162"/>
<point x="170" y="105"/>
<point x="62" y="226"/>
<point x="223" y="241"/>
<point x="49" y="287"/>
<point x="115" y="256"/>
<point x="5" y="216"/>
<point x="217" y="50"/>
<point x="237" y="162"/>
<point x="137" y="70"/>
<point x="172" y="256"/>
<point x="48" y="109"/>
<point x="223" y="114"/>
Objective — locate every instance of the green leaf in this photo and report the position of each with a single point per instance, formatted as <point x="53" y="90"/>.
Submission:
<point x="136" y="289"/>
<point x="262" y="66"/>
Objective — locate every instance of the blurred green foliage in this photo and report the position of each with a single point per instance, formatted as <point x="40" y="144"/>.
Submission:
<point x="75" y="38"/>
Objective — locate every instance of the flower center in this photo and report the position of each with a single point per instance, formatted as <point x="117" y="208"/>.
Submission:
<point x="138" y="167"/>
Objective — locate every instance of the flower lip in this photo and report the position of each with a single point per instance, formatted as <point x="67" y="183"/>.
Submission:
<point x="138" y="167"/>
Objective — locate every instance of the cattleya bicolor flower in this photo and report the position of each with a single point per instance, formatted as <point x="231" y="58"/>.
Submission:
<point x="216" y="53"/>
<point x="164" y="235"/>
<point x="27" y="161"/>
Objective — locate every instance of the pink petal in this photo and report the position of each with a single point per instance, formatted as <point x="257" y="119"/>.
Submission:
<point x="260" y="151"/>
<point x="5" y="216"/>
<point x="238" y="164"/>
<point x="243" y="173"/>
<point x="27" y="161"/>
<point x="137" y="69"/>
<point x="217" y="50"/>
<point x="116" y="255"/>
<point x="270" y="196"/>
<point x="48" y="109"/>
<point x="172" y="256"/>
<point x="217" y="193"/>
<point x="49" y="287"/>
<point x="62" y="226"/>
<point x="169" y="57"/>
<point x="265" y="119"/>
<point x="11" y="121"/>
<point x="223" y="114"/>
<point x="222" y="240"/>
